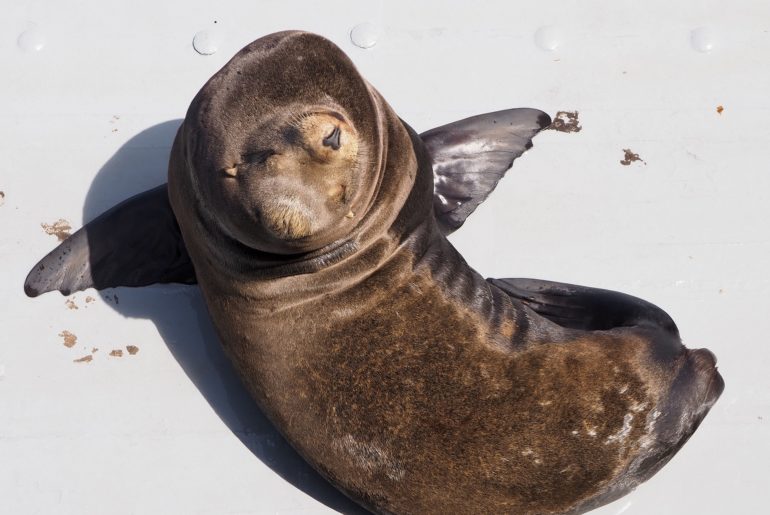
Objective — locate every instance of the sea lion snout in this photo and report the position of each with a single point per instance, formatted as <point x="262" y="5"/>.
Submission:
<point x="287" y="218"/>
<point x="301" y="192"/>
<point x="295" y="187"/>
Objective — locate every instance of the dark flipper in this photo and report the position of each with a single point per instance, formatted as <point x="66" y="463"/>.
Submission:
<point x="470" y="156"/>
<point x="136" y="243"/>
<point x="580" y="307"/>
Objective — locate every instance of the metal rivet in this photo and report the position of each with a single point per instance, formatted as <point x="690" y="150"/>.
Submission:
<point x="703" y="39"/>
<point x="207" y="42"/>
<point x="31" y="40"/>
<point x="548" y="38"/>
<point x="365" y="35"/>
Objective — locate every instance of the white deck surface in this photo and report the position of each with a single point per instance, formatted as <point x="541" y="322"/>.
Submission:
<point x="91" y="94"/>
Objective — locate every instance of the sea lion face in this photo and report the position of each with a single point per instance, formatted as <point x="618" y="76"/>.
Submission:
<point x="280" y="144"/>
<point x="292" y="187"/>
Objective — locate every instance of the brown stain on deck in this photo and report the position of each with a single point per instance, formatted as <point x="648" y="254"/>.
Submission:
<point x="630" y="157"/>
<point x="69" y="338"/>
<point x="60" y="228"/>
<point x="566" y="121"/>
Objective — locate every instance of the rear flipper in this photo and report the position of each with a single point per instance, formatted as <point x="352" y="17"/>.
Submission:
<point x="580" y="307"/>
<point x="136" y="243"/>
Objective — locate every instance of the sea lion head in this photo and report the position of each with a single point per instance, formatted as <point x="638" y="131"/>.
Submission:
<point x="282" y="145"/>
<point x="292" y="187"/>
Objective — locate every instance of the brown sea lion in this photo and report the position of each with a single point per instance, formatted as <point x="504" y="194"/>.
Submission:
<point x="314" y="220"/>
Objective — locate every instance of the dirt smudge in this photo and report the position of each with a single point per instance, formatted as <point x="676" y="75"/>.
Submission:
<point x="132" y="349"/>
<point x="118" y="353"/>
<point x="85" y="359"/>
<point x="630" y="157"/>
<point x="69" y="338"/>
<point x="566" y="121"/>
<point x="60" y="228"/>
<point x="70" y="303"/>
<point x="720" y="109"/>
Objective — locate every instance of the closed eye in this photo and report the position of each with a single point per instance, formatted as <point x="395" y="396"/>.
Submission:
<point x="257" y="158"/>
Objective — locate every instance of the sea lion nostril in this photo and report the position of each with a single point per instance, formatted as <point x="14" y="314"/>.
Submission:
<point x="333" y="139"/>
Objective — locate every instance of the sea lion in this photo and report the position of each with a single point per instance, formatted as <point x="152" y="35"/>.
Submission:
<point x="315" y="222"/>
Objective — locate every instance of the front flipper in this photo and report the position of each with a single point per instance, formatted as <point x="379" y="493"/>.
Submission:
<point x="470" y="157"/>
<point x="580" y="307"/>
<point x="136" y="243"/>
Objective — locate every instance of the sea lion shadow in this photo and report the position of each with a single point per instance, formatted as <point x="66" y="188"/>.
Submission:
<point x="140" y="164"/>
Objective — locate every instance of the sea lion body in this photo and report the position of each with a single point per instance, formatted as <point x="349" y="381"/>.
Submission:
<point x="408" y="380"/>
<point x="316" y="221"/>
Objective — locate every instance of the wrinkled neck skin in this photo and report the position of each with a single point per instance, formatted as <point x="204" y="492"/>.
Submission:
<point x="398" y="219"/>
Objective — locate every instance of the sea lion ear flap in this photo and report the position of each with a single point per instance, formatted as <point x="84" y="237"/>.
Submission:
<point x="136" y="243"/>
<point x="470" y="156"/>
